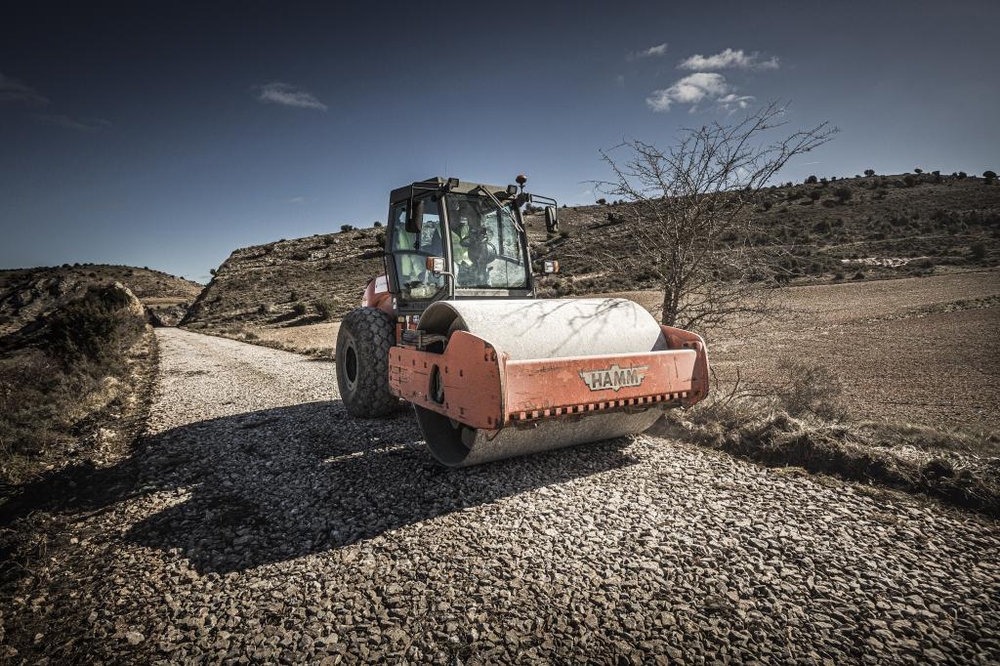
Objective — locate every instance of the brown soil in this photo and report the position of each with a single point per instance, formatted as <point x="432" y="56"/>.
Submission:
<point x="919" y="350"/>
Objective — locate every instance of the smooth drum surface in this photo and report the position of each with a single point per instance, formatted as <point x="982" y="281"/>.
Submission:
<point x="531" y="329"/>
<point x="536" y="329"/>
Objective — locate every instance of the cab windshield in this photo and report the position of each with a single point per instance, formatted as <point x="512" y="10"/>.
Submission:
<point x="484" y="244"/>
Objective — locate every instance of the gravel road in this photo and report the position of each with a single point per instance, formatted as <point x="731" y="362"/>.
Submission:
<point x="257" y="521"/>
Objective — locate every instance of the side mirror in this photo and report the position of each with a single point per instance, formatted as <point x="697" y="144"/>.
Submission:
<point x="415" y="218"/>
<point x="550" y="266"/>
<point x="551" y="219"/>
<point x="435" y="265"/>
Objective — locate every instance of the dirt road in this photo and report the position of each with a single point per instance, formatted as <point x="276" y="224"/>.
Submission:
<point x="257" y="521"/>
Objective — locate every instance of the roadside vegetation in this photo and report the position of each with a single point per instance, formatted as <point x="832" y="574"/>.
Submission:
<point x="60" y="372"/>
<point x="804" y="422"/>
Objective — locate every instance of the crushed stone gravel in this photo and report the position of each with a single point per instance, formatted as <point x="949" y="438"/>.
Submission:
<point x="259" y="522"/>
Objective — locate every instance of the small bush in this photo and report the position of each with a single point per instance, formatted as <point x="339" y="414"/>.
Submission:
<point x="324" y="308"/>
<point x="346" y="227"/>
<point x="809" y="388"/>
<point x="98" y="327"/>
<point x="299" y="309"/>
<point x="978" y="251"/>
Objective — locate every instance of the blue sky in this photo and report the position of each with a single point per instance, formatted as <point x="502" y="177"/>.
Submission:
<point x="168" y="135"/>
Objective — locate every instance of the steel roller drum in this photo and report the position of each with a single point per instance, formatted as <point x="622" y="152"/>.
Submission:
<point x="540" y="329"/>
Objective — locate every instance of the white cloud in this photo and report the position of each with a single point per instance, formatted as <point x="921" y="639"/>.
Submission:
<point x="85" y="125"/>
<point x="288" y="95"/>
<point x="729" y="59"/>
<point x="657" y="50"/>
<point x="734" y="102"/>
<point x="297" y="200"/>
<point x="651" y="52"/>
<point x="13" y="91"/>
<point x="690" y="90"/>
<point x="620" y="80"/>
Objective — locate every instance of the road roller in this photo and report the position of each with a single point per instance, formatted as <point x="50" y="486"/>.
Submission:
<point x="453" y="326"/>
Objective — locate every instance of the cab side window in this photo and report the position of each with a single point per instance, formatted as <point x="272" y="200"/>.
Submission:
<point x="410" y="251"/>
<point x="397" y="220"/>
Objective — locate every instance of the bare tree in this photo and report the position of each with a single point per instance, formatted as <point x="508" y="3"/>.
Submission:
<point x="691" y="215"/>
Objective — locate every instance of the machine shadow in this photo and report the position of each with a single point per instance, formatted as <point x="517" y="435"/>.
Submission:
<point x="278" y="484"/>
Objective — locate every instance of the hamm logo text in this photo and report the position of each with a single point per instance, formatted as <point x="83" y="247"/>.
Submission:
<point x="614" y="378"/>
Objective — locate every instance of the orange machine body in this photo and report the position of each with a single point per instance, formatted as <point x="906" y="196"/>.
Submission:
<point x="471" y="382"/>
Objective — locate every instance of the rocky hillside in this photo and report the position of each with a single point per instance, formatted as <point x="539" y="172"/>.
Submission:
<point x="30" y="293"/>
<point x="290" y="282"/>
<point x="881" y="226"/>
<point x="841" y="229"/>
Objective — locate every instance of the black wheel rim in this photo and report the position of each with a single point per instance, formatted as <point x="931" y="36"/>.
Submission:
<point x="351" y="366"/>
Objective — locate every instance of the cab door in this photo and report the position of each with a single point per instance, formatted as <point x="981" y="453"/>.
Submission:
<point x="409" y="279"/>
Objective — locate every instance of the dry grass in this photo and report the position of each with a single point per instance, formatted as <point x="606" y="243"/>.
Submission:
<point x="54" y="380"/>
<point x="808" y="425"/>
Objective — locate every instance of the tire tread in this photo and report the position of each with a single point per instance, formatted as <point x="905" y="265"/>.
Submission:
<point x="374" y="333"/>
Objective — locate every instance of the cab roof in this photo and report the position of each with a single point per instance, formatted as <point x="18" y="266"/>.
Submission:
<point x="437" y="182"/>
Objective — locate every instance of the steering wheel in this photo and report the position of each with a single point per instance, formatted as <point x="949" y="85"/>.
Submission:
<point x="483" y="252"/>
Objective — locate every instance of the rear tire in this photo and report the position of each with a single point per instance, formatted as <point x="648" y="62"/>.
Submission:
<point x="366" y="334"/>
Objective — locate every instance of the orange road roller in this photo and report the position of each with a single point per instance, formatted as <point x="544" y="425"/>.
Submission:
<point x="453" y="327"/>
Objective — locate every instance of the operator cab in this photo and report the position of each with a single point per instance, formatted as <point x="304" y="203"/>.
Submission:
<point x="450" y="239"/>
